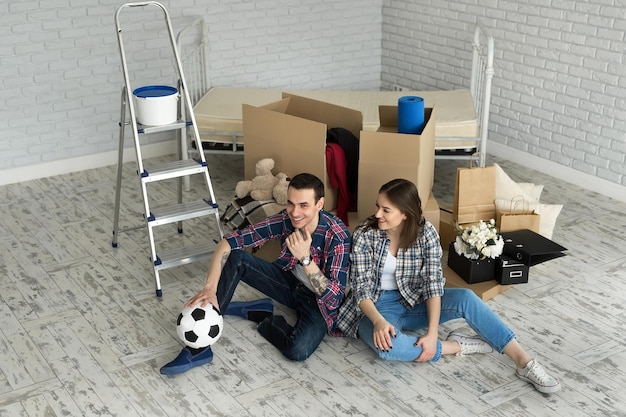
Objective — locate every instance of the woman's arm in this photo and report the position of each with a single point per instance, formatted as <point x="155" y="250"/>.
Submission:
<point x="428" y="342"/>
<point x="383" y="331"/>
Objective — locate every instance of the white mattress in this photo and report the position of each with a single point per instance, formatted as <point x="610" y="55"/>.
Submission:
<point x="219" y="111"/>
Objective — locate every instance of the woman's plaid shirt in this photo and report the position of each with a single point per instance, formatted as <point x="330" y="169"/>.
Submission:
<point x="418" y="272"/>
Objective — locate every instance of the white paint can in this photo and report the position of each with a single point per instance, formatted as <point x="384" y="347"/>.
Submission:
<point x="156" y="105"/>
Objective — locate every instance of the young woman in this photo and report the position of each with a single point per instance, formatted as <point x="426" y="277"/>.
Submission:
<point x="397" y="284"/>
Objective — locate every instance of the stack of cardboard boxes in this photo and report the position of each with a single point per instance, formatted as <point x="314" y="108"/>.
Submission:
<point x="292" y="131"/>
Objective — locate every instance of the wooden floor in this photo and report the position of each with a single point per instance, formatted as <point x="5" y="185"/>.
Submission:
<point x="83" y="334"/>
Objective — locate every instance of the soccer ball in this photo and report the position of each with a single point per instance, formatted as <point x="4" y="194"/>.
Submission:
<point x="199" y="327"/>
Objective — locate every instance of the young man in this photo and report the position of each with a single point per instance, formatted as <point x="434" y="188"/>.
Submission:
<point x="309" y="275"/>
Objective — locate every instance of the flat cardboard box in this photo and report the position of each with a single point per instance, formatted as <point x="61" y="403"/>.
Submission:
<point x="385" y="155"/>
<point x="292" y="131"/>
<point x="485" y="290"/>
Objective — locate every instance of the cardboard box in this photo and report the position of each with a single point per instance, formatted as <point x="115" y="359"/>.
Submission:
<point x="485" y="290"/>
<point x="430" y="212"/>
<point x="385" y="155"/>
<point x="447" y="234"/>
<point x="269" y="251"/>
<point x="292" y="131"/>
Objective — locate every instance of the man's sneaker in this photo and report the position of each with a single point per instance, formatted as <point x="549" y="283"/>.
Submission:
<point x="534" y="373"/>
<point x="256" y="310"/>
<point x="470" y="344"/>
<point x="187" y="360"/>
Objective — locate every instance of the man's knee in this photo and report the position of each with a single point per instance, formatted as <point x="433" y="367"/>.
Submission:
<point x="298" y="351"/>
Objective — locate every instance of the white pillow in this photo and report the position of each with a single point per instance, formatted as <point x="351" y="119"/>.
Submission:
<point x="507" y="189"/>
<point x="547" y="214"/>
<point x="533" y="190"/>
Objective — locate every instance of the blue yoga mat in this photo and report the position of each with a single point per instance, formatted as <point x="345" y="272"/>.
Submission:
<point x="410" y="115"/>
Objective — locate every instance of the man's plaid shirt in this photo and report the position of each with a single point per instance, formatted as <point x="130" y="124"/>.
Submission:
<point x="330" y="250"/>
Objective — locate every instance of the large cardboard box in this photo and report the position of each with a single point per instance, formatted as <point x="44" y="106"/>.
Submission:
<point x="430" y="212"/>
<point x="292" y="131"/>
<point x="385" y="155"/>
<point x="485" y="290"/>
<point x="447" y="233"/>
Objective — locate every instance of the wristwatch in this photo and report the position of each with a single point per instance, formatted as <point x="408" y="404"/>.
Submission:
<point x="306" y="261"/>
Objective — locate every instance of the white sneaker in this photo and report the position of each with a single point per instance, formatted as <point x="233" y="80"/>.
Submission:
<point x="534" y="373"/>
<point x="470" y="344"/>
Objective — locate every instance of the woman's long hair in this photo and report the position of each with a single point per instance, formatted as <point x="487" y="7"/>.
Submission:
<point x="403" y="194"/>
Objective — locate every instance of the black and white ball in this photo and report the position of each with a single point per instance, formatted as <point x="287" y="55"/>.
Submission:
<point x="199" y="327"/>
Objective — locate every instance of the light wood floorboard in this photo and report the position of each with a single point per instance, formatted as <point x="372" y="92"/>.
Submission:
<point x="83" y="334"/>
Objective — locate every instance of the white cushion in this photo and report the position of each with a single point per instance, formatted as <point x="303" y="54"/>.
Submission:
<point x="507" y="189"/>
<point x="533" y="190"/>
<point x="547" y="214"/>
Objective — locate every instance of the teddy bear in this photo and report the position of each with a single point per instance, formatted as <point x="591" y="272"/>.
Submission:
<point x="280" y="189"/>
<point x="264" y="185"/>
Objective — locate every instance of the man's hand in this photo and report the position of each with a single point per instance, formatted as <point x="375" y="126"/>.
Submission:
<point x="299" y="243"/>
<point x="205" y="297"/>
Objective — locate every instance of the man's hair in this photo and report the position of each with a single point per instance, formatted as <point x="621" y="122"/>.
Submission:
<point x="404" y="195"/>
<point x="306" y="181"/>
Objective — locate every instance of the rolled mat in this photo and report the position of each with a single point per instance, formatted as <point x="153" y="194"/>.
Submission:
<point x="410" y="115"/>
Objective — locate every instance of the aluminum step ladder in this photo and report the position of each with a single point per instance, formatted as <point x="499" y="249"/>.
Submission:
<point x="171" y="212"/>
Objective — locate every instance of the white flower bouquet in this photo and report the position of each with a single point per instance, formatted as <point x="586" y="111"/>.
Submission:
<point x="479" y="241"/>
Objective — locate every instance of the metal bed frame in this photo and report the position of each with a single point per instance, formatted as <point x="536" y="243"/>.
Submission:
<point x="195" y="65"/>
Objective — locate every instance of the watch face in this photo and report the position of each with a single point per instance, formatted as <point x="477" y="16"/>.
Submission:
<point x="306" y="261"/>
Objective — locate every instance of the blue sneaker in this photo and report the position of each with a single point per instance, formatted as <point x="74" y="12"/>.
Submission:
<point x="256" y="310"/>
<point x="187" y="360"/>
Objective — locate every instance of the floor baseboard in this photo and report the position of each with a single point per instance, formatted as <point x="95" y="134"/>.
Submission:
<point x="81" y="163"/>
<point x="572" y="176"/>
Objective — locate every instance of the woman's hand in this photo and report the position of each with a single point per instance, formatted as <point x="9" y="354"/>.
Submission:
<point x="205" y="297"/>
<point x="428" y="343"/>
<point x="383" y="332"/>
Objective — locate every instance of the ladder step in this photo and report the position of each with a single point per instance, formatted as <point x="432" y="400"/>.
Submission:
<point x="174" y="169"/>
<point x="182" y="256"/>
<point x="184" y="211"/>
<point x="179" y="124"/>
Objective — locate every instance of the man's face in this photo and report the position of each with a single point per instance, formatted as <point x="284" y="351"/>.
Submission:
<point x="302" y="208"/>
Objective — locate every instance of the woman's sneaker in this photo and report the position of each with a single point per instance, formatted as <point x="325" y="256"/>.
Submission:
<point x="534" y="373"/>
<point x="470" y="344"/>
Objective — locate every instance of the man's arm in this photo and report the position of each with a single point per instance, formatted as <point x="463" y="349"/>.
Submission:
<point x="208" y="294"/>
<point x="318" y="280"/>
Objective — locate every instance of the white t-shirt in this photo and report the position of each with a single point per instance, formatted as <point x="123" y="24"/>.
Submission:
<point x="300" y="273"/>
<point x="388" y="280"/>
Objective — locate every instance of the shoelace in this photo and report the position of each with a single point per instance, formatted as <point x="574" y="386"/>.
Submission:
<point x="471" y="346"/>
<point x="539" y="373"/>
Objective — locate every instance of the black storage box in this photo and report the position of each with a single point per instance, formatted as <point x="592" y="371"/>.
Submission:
<point x="510" y="271"/>
<point x="472" y="271"/>
<point x="530" y="248"/>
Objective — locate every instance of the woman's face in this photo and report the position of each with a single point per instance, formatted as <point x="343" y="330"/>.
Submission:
<point x="390" y="218"/>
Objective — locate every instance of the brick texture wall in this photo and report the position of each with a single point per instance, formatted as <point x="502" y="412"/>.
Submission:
<point x="61" y="78"/>
<point x="559" y="89"/>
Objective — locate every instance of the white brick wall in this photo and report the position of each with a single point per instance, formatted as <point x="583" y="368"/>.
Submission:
<point x="61" y="78"/>
<point x="559" y="90"/>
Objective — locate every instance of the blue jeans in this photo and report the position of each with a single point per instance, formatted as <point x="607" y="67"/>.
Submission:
<point x="456" y="303"/>
<point x="295" y="342"/>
